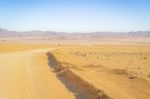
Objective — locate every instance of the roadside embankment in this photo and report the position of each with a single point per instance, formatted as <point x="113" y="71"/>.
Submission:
<point x="75" y="82"/>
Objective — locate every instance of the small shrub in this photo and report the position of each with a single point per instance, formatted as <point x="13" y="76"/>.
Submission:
<point x="145" y="57"/>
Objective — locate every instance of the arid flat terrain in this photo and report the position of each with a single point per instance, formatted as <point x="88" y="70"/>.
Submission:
<point x="120" y="71"/>
<point x="48" y="71"/>
<point x="26" y="75"/>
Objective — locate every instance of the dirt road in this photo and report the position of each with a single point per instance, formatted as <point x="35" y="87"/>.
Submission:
<point x="26" y="75"/>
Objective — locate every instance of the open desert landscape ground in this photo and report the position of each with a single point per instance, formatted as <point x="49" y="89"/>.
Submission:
<point x="74" y="71"/>
<point x="74" y="49"/>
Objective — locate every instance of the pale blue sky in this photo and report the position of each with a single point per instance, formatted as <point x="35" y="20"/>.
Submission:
<point x="75" y="15"/>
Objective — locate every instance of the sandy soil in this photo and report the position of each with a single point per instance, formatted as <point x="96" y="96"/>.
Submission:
<point x="26" y="75"/>
<point x="121" y="71"/>
<point x="45" y="71"/>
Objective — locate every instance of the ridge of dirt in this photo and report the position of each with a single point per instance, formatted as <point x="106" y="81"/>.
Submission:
<point x="74" y="82"/>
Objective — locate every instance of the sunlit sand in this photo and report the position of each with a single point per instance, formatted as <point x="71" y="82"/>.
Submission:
<point x="49" y="71"/>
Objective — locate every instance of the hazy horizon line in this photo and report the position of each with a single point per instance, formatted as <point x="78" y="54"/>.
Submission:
<point x="11" y="30"/>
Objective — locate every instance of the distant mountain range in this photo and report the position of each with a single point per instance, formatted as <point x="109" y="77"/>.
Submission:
<point x="51" y="35"/>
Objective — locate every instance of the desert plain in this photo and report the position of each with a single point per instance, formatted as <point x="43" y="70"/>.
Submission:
<point x="74" y="71"/>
